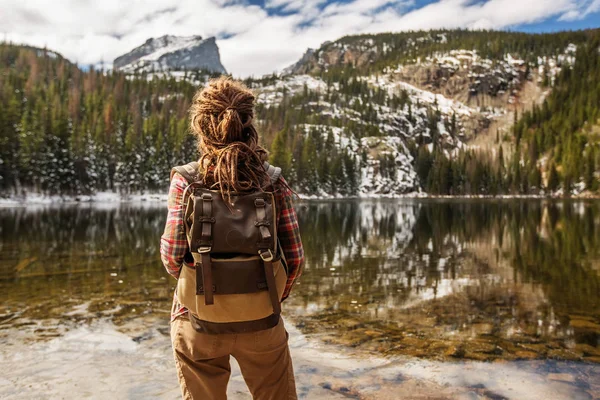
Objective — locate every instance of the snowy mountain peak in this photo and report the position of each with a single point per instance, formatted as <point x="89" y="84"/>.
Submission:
<point x="172" y="53"/>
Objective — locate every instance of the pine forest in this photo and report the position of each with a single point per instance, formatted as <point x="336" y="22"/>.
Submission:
<point x="436" y="112"/>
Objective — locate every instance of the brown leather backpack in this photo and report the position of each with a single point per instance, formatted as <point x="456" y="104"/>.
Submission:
<point x="239" y="272"/>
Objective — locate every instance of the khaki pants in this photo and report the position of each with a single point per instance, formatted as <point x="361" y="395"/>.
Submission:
<point x="203" y="369"/>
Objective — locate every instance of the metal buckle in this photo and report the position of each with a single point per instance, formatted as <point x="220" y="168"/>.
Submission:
<point x="259" y="202"/>
<point x="204" y="249"/>
<point x="264" y="256"/>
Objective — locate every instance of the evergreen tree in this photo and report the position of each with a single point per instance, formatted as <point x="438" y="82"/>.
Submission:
<point x="553" y="179"/>
<point x="280" y="154"/>
<point x="590" y="169"/>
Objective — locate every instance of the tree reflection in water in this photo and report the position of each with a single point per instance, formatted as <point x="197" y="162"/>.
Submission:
<point x="475" y="279"/>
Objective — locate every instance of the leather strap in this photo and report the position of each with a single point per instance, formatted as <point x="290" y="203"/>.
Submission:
<point x="206" y="219"/>
<point x="236" y="276"/>
<point x="207" y="279"/>
<point x="262" y="223"/>
<point x="233" y="327"/>
<point x="205" y="246"/>
<point x="272" y="286"/>
<point x="265" y="252"/>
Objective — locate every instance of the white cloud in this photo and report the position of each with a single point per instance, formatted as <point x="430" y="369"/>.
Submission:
<point x="252" y="41"/>
<point x="588" y="7"/>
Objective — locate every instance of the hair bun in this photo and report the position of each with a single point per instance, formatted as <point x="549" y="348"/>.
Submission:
<point x="229" y="140"/>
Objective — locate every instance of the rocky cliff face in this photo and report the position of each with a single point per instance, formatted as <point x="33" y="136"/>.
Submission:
<point x="384" y="135"/>
<point x="172" y="53"/>
<point x="456" y="91"/>
<point x="332" y="54"/>
<point x="460" y="74"/>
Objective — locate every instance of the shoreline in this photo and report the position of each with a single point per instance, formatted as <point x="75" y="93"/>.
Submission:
<point x="135" y="360"/>
<point x="116" y="198"/>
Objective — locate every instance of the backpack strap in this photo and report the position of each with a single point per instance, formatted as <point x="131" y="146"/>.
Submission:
<point x="190" y="171"/>
<point x="204" y="271"/>
<point x="266" y="254"/>
<point x="274" y="172"/>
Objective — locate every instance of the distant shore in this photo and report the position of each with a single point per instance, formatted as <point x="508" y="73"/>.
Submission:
<point x="161" y="197"/>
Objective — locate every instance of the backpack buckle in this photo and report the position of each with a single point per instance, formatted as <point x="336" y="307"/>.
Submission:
<point x="267" y="256"/>
<point x="204" y="249"/>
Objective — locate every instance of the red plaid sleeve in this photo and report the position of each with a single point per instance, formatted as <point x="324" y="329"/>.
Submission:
<point x="173" y="242"/>
<point x="288" y="232"/>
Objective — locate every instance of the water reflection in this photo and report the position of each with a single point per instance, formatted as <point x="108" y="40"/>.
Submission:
<point x="444" y="279"/>
<point x="474" y="279"/>
<point x="55" y="258"/>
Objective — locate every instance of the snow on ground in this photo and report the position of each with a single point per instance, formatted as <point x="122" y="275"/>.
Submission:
<point x="192" y="78"/>
<point x="100" y="197"/>
<point x="342" y="139"/>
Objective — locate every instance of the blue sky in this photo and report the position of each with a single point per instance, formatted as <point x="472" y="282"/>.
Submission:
<point x="554" y="24"/>
<point x="257" y="37"/>
<point x="550" y="24"/>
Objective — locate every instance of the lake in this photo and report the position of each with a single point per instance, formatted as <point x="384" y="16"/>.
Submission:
<point x="399" y="299"/>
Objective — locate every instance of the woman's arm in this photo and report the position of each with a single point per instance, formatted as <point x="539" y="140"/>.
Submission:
<point x="288" y="233"/>
<point x="173" y="243"/>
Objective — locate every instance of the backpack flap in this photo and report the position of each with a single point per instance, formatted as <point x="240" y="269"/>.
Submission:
<point x="245" y="226"/>
<point x="233" y="232"/>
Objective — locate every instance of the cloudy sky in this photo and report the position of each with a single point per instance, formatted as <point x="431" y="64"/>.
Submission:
<point x="257" y="37"/>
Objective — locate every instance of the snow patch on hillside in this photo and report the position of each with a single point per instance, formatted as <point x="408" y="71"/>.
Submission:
<point x="172" y="53"/>
<point x="551" y="66"/>
<point x="373" y="181"/>
<point x="289" y="85"/>
<point x="385" y="162"/>
<point x="445" y="105"/>
<point x="171" y="44"/>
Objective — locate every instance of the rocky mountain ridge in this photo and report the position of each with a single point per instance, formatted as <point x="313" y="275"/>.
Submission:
<point x="172" y="53"/>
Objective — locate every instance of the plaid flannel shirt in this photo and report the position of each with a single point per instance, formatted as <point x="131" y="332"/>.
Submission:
<point x="174" y="246"/>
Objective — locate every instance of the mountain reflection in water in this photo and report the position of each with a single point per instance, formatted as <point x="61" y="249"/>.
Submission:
<point x="462" y="279"/>
<point x="468" y="279"/>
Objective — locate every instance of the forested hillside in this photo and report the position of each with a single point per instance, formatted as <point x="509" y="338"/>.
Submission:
<point x="563" y="134"/>
<point x="436" y="93"/>
<point x="371" y="53"/>
<point x="67" y="131"/>
<point x="442" y="112"/>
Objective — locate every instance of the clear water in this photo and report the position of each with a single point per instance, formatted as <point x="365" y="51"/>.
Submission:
<point x="442" y="282"/>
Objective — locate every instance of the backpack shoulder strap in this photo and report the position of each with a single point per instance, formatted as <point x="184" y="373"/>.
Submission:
<point x="274" y="172"/>
<point x="190" y="171"/>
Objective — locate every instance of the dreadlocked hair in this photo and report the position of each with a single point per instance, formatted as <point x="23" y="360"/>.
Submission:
<point x="221" y="116"/>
